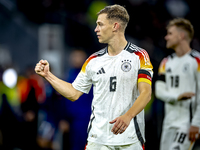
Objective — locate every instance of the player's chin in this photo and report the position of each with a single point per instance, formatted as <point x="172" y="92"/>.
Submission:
<point x="168" y="46"/>
<point x="102" y="41"/>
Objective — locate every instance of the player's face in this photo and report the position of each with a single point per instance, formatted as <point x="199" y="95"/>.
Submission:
<point x="173" y="37"/>
<point x="103" y="29"/>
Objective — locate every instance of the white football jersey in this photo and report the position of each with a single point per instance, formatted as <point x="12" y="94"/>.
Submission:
<point x="180" y="74"/>
<point x="114" y="80"/>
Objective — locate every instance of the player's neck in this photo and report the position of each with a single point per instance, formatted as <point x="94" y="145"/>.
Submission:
<point x="116" y="46"/>
<point x="182" y="49"/>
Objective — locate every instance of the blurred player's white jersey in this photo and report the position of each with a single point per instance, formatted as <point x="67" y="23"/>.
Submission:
<point x="180" y="75"/>
<point x="114" y="80"/>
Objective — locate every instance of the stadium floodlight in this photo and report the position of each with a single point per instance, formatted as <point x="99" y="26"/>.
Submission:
<point x="10" y="77"/>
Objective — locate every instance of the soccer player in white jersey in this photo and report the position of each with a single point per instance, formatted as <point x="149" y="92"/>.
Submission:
<point x="121" y="77"/>
<point x="179" y="87"/>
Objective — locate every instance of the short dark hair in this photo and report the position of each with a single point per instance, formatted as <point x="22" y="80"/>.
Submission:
<point x="116" y="12"/>
<point x="183" y="24"/>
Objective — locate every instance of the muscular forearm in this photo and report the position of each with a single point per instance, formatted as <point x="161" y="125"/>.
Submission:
<point x="139" y="104"/>
<point x="64" y="88"/>
<point x="122" y="122"/>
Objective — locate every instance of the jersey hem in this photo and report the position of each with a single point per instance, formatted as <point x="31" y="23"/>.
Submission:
<point x="94" y="141"/>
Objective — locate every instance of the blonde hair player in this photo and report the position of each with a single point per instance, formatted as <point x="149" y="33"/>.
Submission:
<point x="179" y="87"/>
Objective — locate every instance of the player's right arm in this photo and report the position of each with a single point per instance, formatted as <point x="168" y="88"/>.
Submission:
<point x="163" y="94"/>
<point x="161" y="90"/>
<point x="64" y="88"/>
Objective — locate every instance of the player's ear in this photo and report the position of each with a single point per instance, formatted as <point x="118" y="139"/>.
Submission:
<point x="182" y="35"/>
<point x="116" y="26"/>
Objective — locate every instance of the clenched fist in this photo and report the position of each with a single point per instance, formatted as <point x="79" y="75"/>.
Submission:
<point x="42" y="68"/>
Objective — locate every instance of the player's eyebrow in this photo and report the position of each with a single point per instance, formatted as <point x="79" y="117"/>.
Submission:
<point x="98" y="21"/>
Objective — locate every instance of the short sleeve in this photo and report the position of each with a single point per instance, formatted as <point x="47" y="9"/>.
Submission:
<point x="145" y="73"/>
<point x="83" y="81"/>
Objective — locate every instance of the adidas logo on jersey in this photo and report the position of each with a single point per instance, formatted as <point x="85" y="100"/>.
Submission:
<point x="101" y="71"/>
<point x="169" y="70"/>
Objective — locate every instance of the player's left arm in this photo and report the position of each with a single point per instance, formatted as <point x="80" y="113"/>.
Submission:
<point x="145" y="74"/>
<point x="122" y="122"/>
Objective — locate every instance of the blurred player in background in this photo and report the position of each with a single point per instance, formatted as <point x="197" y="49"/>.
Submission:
<point x="179" y="87"/>
<point x="121" y="77"/>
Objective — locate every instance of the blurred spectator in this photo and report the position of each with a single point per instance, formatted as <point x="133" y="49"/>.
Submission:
<point x="32" y="93"/>
<point x="52" y="122"/>
<point x="79" y="111"/>
<point x="10" y="112"/>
